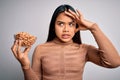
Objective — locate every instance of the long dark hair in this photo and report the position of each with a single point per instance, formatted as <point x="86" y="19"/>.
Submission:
<point x="51" y="34"/>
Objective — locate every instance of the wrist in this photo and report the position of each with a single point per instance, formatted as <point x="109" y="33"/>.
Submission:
<point x="89" y="25"/>
<point x="26" y="67"/>
<point x="93" y="27"/>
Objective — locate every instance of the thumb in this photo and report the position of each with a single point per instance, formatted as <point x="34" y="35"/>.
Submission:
<point x="81" y="27"/>
<point x="27" y="50"/>
<point x="77" y="29"/>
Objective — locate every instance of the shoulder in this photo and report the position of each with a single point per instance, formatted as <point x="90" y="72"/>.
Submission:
<point x="88" y="47"/>
<point x="43" y="46"/>
<point x="46" y="44"/>
<point x="83" y="45"/>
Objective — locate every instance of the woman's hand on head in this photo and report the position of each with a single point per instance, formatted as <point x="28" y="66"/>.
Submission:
<point x="78" y="17"/>
<point x="21" y="56"/>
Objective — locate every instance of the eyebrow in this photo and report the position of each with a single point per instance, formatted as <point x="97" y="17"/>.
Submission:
<point x="59" y="21"/>
<point x="64" y="22"/>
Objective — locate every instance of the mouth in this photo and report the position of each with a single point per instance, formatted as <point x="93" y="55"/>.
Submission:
<point x="65" y="36"/>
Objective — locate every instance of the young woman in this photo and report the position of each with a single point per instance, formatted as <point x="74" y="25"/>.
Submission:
<point x="63" y="56"/>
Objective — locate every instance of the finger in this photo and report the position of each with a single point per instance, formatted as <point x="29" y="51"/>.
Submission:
<point x="81" y="16"/>
<point x="27" y="50"/>
<point x="14" y="48"/>
<point x="76" y="15"/>
<point x="81" y="27"/>
<point x="72" y="14"/>
<point x="79" y="13"/>
<point x="19" y="47"/>
<point x="69" y="14"/>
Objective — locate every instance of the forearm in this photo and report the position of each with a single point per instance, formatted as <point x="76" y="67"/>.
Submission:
<point x="29" y="74"/>
<point x="104" y="44"/>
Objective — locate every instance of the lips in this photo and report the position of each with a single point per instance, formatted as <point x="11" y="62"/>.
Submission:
<point x="65" y="36"/>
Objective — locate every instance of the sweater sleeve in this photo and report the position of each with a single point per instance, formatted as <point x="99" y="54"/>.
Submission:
<point x="97" y="56"/>
<point x="34" y="72"/>
<point x="105" y="55"/>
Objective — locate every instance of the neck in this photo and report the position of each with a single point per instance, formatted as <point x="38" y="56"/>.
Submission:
<point x="58" y="41"/>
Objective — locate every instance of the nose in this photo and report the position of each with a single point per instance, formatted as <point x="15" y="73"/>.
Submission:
<point x="65" y="29"/>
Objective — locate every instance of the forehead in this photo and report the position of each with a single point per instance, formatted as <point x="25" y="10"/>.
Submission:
<point x="63" y="17"/>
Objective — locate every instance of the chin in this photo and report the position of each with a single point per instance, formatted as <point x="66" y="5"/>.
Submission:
<point x="65" y="40"/>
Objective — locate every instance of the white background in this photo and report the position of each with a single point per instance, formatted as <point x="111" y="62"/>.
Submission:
<point x="33" y="16"/>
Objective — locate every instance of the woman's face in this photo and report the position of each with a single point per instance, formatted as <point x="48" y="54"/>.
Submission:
<point x="65" y="27"/>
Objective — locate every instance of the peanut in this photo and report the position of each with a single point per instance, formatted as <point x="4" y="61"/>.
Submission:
<point x="27" y="39"/>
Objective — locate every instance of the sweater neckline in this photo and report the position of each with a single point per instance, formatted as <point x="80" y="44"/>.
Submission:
<point x="58" y="41"/>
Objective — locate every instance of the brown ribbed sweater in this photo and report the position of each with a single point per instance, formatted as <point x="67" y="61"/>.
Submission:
<point x="63" y="61"/>
<point x="56" y="60"/>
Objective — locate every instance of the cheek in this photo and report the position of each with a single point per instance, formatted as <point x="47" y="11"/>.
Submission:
<point x="58" y="31"/>
<point x="73" y="31"/>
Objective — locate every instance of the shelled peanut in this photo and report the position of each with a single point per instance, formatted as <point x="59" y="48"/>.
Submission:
<point x="27" y="39"/>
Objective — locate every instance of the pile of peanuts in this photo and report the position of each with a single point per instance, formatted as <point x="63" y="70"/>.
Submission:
<point x="27" y="39"/>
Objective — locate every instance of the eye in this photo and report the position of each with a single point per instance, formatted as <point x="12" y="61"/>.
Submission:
<point x="61" y="24"/>
<point x="72" y="24"/>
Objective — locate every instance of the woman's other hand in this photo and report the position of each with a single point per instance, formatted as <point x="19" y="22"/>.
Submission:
<point x="21" y="56"/>
<point x="78" y="17"/>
